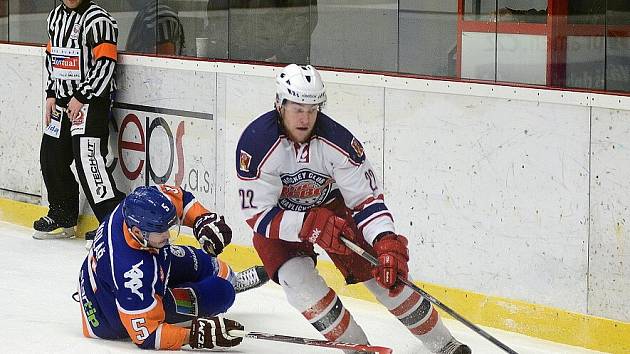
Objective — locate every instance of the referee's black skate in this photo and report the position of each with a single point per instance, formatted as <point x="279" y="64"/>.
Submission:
<point x="250" y="278"/>
<point x="455" y="347"/>
<point x="48" y="229"/>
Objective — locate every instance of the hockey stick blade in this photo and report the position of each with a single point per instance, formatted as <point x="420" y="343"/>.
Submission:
<point x="374" y="261"/>
<point x="308" y="341"/>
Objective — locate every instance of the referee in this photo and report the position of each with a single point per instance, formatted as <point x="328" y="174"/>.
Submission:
<point x="80" y="60"/>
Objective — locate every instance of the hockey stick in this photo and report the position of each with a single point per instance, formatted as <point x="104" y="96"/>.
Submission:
<point x="308" y="341"/>
<point x="374" y="261"/>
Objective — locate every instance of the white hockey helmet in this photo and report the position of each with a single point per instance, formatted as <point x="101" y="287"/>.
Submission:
<point x="300" y="84"/>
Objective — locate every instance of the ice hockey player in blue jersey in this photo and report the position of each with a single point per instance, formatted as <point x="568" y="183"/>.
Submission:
<point x="134" y="284"/>
<point x="304" y="180"/>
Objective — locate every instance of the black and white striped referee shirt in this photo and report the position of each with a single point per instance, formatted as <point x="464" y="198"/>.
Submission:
<point x="81" y="52"/>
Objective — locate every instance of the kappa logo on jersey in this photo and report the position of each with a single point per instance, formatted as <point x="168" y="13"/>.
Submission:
<point x="304" y="189"/>
<point x="245" y="159"/>
<point x="358" y="148"/>
<point x="135" y="279"/>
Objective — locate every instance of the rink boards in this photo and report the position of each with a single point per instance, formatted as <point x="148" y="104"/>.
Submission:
<point x="517" y="195"/>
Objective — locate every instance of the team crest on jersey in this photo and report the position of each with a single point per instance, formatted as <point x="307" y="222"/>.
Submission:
<point x="304" y="189"/>
<point x="177" y="251"/>
<point x="245" y="160"/>
<point x="358" y="148"/>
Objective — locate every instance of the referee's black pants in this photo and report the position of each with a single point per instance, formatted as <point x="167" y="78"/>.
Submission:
<point x="88" y="151"/>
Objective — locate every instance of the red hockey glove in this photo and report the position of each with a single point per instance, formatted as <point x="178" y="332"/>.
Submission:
<point x="323" y="227"/>
<point x="393" y="256"/>
<point x="212" y="233"/>
<point x="210" y="332"/>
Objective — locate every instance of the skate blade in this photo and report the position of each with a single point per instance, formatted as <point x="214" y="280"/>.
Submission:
<point x="66" y="232"/>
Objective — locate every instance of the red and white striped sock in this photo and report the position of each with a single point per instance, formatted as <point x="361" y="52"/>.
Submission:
<point x="320" y="305"/>
<point x="416" y="313"/>
<point x="333" y="320"/>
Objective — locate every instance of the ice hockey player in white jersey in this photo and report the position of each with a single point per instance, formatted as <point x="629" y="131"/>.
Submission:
<point x="305" y="179"/>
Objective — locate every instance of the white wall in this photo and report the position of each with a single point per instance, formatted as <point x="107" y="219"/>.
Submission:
<point x="493" y="193"/>
<point x="513" y="192"/>
<point x="21" y="115"/>
<point x="609" y="244"/>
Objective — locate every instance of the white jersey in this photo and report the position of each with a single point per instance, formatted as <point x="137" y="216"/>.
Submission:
<point x="281" y="180"/>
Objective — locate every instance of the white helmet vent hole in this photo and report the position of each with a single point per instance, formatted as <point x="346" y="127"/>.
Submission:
<point x="299" y="83"/>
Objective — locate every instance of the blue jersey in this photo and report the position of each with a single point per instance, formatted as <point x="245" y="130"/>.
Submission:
<point x="123" y="286"/>
<point x="280" y="180"/>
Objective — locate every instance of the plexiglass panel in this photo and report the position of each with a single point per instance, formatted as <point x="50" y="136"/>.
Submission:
<point x="356" y="34"/>
<point x="428" y="37"/>
<point x="521" y="11"/>
<point x="618" y="45"/>
<point x="272" y="31"/>
<point x="559" y="43"/>
<point x="586" y="44"/>
<point x="4" y="20"/>
<point x="27" y="20"/>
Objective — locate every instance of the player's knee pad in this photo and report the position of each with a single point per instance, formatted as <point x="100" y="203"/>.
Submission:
<point x="296" y="272"/>
<point x="301" y="282"/>
<point x="215" y="295"/>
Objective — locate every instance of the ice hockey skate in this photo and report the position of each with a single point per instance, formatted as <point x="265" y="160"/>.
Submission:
<point x="250" y="278"/>
<point x="48" y="229"/>
<point x="455" y="347"/>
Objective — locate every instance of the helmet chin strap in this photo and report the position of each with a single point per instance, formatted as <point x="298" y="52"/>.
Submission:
<point x="144" y="242"/>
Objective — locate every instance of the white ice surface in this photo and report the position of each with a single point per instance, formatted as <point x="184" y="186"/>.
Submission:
<point x="38" y="315"/>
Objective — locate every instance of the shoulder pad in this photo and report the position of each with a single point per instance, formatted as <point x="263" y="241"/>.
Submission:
<point x="255" y="142"/>
<point x="341" y="137"/>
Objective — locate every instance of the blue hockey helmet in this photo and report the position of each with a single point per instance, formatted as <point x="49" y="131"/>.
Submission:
<point x="149" y="210"/>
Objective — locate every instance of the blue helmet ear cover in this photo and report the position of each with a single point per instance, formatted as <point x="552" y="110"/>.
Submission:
<point x="149" y="210"/>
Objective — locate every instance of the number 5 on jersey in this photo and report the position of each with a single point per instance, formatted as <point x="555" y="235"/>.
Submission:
<point x="138" y="326"/>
